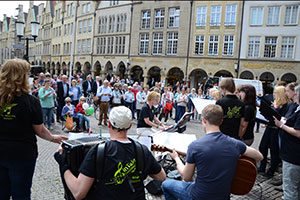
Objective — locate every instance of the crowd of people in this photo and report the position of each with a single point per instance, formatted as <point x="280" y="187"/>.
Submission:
<point x="228" y="124"/>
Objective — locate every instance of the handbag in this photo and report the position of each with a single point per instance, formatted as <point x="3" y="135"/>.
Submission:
<point x="69" y="123"/>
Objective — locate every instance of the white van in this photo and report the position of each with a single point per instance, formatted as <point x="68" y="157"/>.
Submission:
<point x="255" y="83"/>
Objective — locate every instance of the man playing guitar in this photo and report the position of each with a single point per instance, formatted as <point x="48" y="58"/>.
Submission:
<point x="215" y="156"/>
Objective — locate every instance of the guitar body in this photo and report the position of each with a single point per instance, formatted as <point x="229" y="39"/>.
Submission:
<point x="244" y="177"/>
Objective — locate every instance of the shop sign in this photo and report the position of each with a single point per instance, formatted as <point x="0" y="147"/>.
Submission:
<point x="267" y="66"/>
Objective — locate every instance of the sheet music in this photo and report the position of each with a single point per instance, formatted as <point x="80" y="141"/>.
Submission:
<point x="174" y="140"/>
<point x="201" y="103"/>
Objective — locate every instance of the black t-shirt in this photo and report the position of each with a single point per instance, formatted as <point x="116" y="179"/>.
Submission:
<point x="233" y="110"/>
<point x="17" y="137"/>
<point x="250" y="114"/>
<point x="290" y="145"/>
<point x="146" y="112"/>
<point x="120" y="160"/>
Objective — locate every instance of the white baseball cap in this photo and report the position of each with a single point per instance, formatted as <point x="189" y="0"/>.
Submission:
<point x="120" y="117"/>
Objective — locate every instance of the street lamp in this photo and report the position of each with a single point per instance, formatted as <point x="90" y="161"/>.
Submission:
<point x="20" y="33"/>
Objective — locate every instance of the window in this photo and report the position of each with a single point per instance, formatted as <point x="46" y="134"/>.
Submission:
<point x="123" y="47"/>
<point x="174" y="14"/>
<point x="116" y="45"/>
<point x="105" y="25"/>
<point x="104" y="45"/>
<point x="112" y="45"/>
<point x="201" y="16"/>
<point x="228" y="45"/>
<point x="256" y="16"/>
<point x="253" y="46"/>
<point x="213" y="44"/>
<point x="88" y="44"/>
<point x="80" y="27"/>
<point x="159" y="18"/>
<point x="287" y="47"/>
<point x="270" y="47"/>
<point x="172" y="43"/>
<point x="69" y="29"/>
<point x="68" y="10"/>
<point x="68" y="48"/>
<point x="215" y="16"/>
<point x="291" y="15"/>
<point x="88" y="8"/>
<point x="112" y="3"/>
<point x="125" y="22"/>
<point x="273" y="15"/>
<point x="120" y="45"/>
<point x="78" y="46"/>
<point x="90" y="25"/>
<point x="121" y="23"/>
<point x="144" y="43"/>
<point x="65" y="33"/>
<point x="98" y="46"/>
<point x="118" y="23"/>
<point x="199" y="44"/>
<point x="109" y="23"/>
<point x="101" y="45"/>
<point x="113" y="24"/>
<point x="230" y="18"/>
<point x="71" y="9"/>
<point x="108" y="45"/>
<point x="99" y="24"/>
<point x="83" y="9"/>
<point x="84" y="25"/>
<point x="83" y="46"/>
<point x="145" y="19"/>
<point x="157" y="43"/>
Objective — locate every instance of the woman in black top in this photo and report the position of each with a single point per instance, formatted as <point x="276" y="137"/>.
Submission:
<point x="270" y="137"/>
<point x="147" y="116"/>
<point x="290" y="145"/>
<point x="247" y="94"/>
<point x="20" y="121"/>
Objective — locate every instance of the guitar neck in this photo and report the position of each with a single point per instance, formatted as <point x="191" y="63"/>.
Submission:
<point x="159" y="148"/>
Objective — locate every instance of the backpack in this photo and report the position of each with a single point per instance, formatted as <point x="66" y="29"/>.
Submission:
<point x="100" y="156"/>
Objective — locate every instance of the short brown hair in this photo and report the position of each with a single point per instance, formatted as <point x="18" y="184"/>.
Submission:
<point x="213" y="114"/>
<point x="227" y="84"/>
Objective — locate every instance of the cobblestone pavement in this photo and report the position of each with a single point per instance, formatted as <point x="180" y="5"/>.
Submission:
<point x="47" y="182"/>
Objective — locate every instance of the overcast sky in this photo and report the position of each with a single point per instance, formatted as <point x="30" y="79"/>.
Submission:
<point x="9" y="7"/>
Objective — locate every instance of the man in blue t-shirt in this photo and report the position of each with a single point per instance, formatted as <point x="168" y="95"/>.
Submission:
<point x="215" y="156"/>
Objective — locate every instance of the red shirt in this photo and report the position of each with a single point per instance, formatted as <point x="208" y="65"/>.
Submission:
<point x="79" y="109"/>
<point x="134" y="92"/>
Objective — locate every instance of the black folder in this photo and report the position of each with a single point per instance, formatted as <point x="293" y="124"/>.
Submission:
<point x="268" y="111"/>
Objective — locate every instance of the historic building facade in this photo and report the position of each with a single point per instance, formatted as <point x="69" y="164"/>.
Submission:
<point x="271" y="41"/>
<point x="111" y="38"/>
<point x="162" y="40"/>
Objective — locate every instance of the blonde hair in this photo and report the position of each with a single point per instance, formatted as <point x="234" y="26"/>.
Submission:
<point x="216" y="94"/>
<point x="280" y="97"/>
<point x="82" y="98"/>
<point x="13" y="80"/>
<point x="153" y="95"/>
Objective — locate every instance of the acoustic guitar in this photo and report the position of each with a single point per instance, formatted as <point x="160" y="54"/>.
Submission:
<point x="244" y="176"/>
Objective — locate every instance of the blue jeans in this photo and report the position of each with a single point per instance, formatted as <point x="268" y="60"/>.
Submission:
<point x="16" y="179"/>
<point x="180" y="111"/>
<point x="130" y="106"/>
<point x="47" y="116"/>
<point x="174" y="189"/>
<point x="291" y="181"/>
<point x="82" y="119"/>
